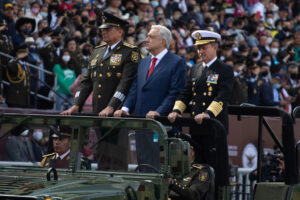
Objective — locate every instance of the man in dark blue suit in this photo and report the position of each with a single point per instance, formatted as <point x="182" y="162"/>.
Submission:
<point x="160" y="78"/>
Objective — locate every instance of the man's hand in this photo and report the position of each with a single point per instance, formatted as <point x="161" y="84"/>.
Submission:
<point x="106" y="111"/>
<point x="70" y="110"/>
<point x="152" y="114"/>
<point x="199" y="118"/>
<point x="172" y="116"/>
<point x="119" y="113"/>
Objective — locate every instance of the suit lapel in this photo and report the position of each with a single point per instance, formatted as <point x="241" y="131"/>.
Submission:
<point x="144" y="69"/>
<point x="158" y="68"/>
<point x="204" y="75"/>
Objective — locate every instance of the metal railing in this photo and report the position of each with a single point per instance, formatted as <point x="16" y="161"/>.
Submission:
<point x="35" y="93"/>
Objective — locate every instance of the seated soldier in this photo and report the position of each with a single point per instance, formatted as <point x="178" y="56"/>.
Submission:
<point x="198" y="183"/>
<point x="61" y="140"/>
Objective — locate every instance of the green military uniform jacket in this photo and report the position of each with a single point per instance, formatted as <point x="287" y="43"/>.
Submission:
<point x="193" y="187"/>
<point x="47" y="159"/>
<point x="18" y="92"/>
<point x="110" y="77"/>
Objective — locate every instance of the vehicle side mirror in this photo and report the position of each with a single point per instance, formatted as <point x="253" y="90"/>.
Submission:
<point x="179" y="158"/>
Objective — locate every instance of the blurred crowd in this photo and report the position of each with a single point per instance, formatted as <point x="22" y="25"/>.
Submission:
<point x="260" y="40"/>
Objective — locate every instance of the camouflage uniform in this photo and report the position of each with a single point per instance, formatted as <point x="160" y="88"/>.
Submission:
<point x="194" y="186"/>
<point x="110" y="77"/>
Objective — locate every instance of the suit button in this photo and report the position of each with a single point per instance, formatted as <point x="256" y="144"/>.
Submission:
<point x="203" y="104"/>
<point x="194" y="103"/>
<point x="194" y="83"/>
<point x="208" y="84"/>
<point x="195" y="94"/>
<point x="108" y="74"/>
<point x="99" y="96"/>
<point x="101" y="65"/>
<point x="17" y="92"/>
<point x="204" y="93"/>
<point x="100" y="75"/>
<point x="99" y="86"/>
<point x="193" y="113"/>
<point x="193" y="88"/>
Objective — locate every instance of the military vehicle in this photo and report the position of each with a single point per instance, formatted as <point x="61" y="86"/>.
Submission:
<point x="118" y="177"/>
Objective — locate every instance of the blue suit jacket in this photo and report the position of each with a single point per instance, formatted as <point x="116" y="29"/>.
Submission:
<point x="157" y="92"/>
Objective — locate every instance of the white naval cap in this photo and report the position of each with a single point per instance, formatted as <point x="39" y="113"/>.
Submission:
<point x="204" y="37"/>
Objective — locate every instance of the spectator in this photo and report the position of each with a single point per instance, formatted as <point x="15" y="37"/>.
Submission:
<point x="65" y="78"/>
<point x="25" y="26"/>
<point x="35" y="13"/>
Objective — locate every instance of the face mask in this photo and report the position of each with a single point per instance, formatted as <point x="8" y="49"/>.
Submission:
<point x="44" y="14"/>
<point x="32" y="48"/>
<point x="37" y="135"/>
<point x="270" y="21"/>
<point x="274" y="51"/>
<point x="294" y="76"/>
<point x="154" y="4"/>
<point x="277" y="86"/>
<point x="68" y="2"/>
<point x="207" y="20"/>
<point x="261" y="28"/>
<point x="66" y="58"/>
<point x="182" y="32"/>
<point x="35" y="10"/>
<point x="268" y="63"/>
<point x="144" y="51"/>
<point x="24" y="133"/>
<point x="264" y="73"/>
<point x="269" y="40"/>
<point x="85" y="1"/>
<point x="47" y="39"/>
<point x="26" y="31"/>
<point x="83" y="70"/>
<point x="84" y="19"/>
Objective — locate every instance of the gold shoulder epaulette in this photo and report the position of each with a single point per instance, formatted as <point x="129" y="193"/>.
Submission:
<point x="129" y="45"/>
<point x="50" y="154"/>
<point x="102" y="45"/>
<point x="198" y="166"/>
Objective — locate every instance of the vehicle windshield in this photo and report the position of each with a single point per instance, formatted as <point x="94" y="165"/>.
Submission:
<point x="110" y="145"/>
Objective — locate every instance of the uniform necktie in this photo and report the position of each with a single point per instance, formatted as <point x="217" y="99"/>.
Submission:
<point x="152" y="66"/>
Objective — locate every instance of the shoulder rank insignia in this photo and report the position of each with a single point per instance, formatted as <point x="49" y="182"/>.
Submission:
<point x="135" y="56"/>
<point x="115" y="59"/>
<point x="129" y="45"/>
<point x="212" y="78"/>
<point x="102" y="45"/>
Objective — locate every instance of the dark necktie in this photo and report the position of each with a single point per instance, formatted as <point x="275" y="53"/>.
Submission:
<point x="152" y="66"/>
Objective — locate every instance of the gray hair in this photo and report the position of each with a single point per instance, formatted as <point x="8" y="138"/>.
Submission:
<point x="164" y="33"/>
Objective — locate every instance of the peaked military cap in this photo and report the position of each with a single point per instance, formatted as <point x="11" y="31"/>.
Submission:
<point x="109" y="21"/>
<point x="204" y="37"/>
<point x="61" y="131"/>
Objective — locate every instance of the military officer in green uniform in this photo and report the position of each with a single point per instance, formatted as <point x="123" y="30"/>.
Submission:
<point x="18" y="75"/>
<point x="111" y="70"/>
<point x="61" y="141"/>
<point x="197" y="185"/>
